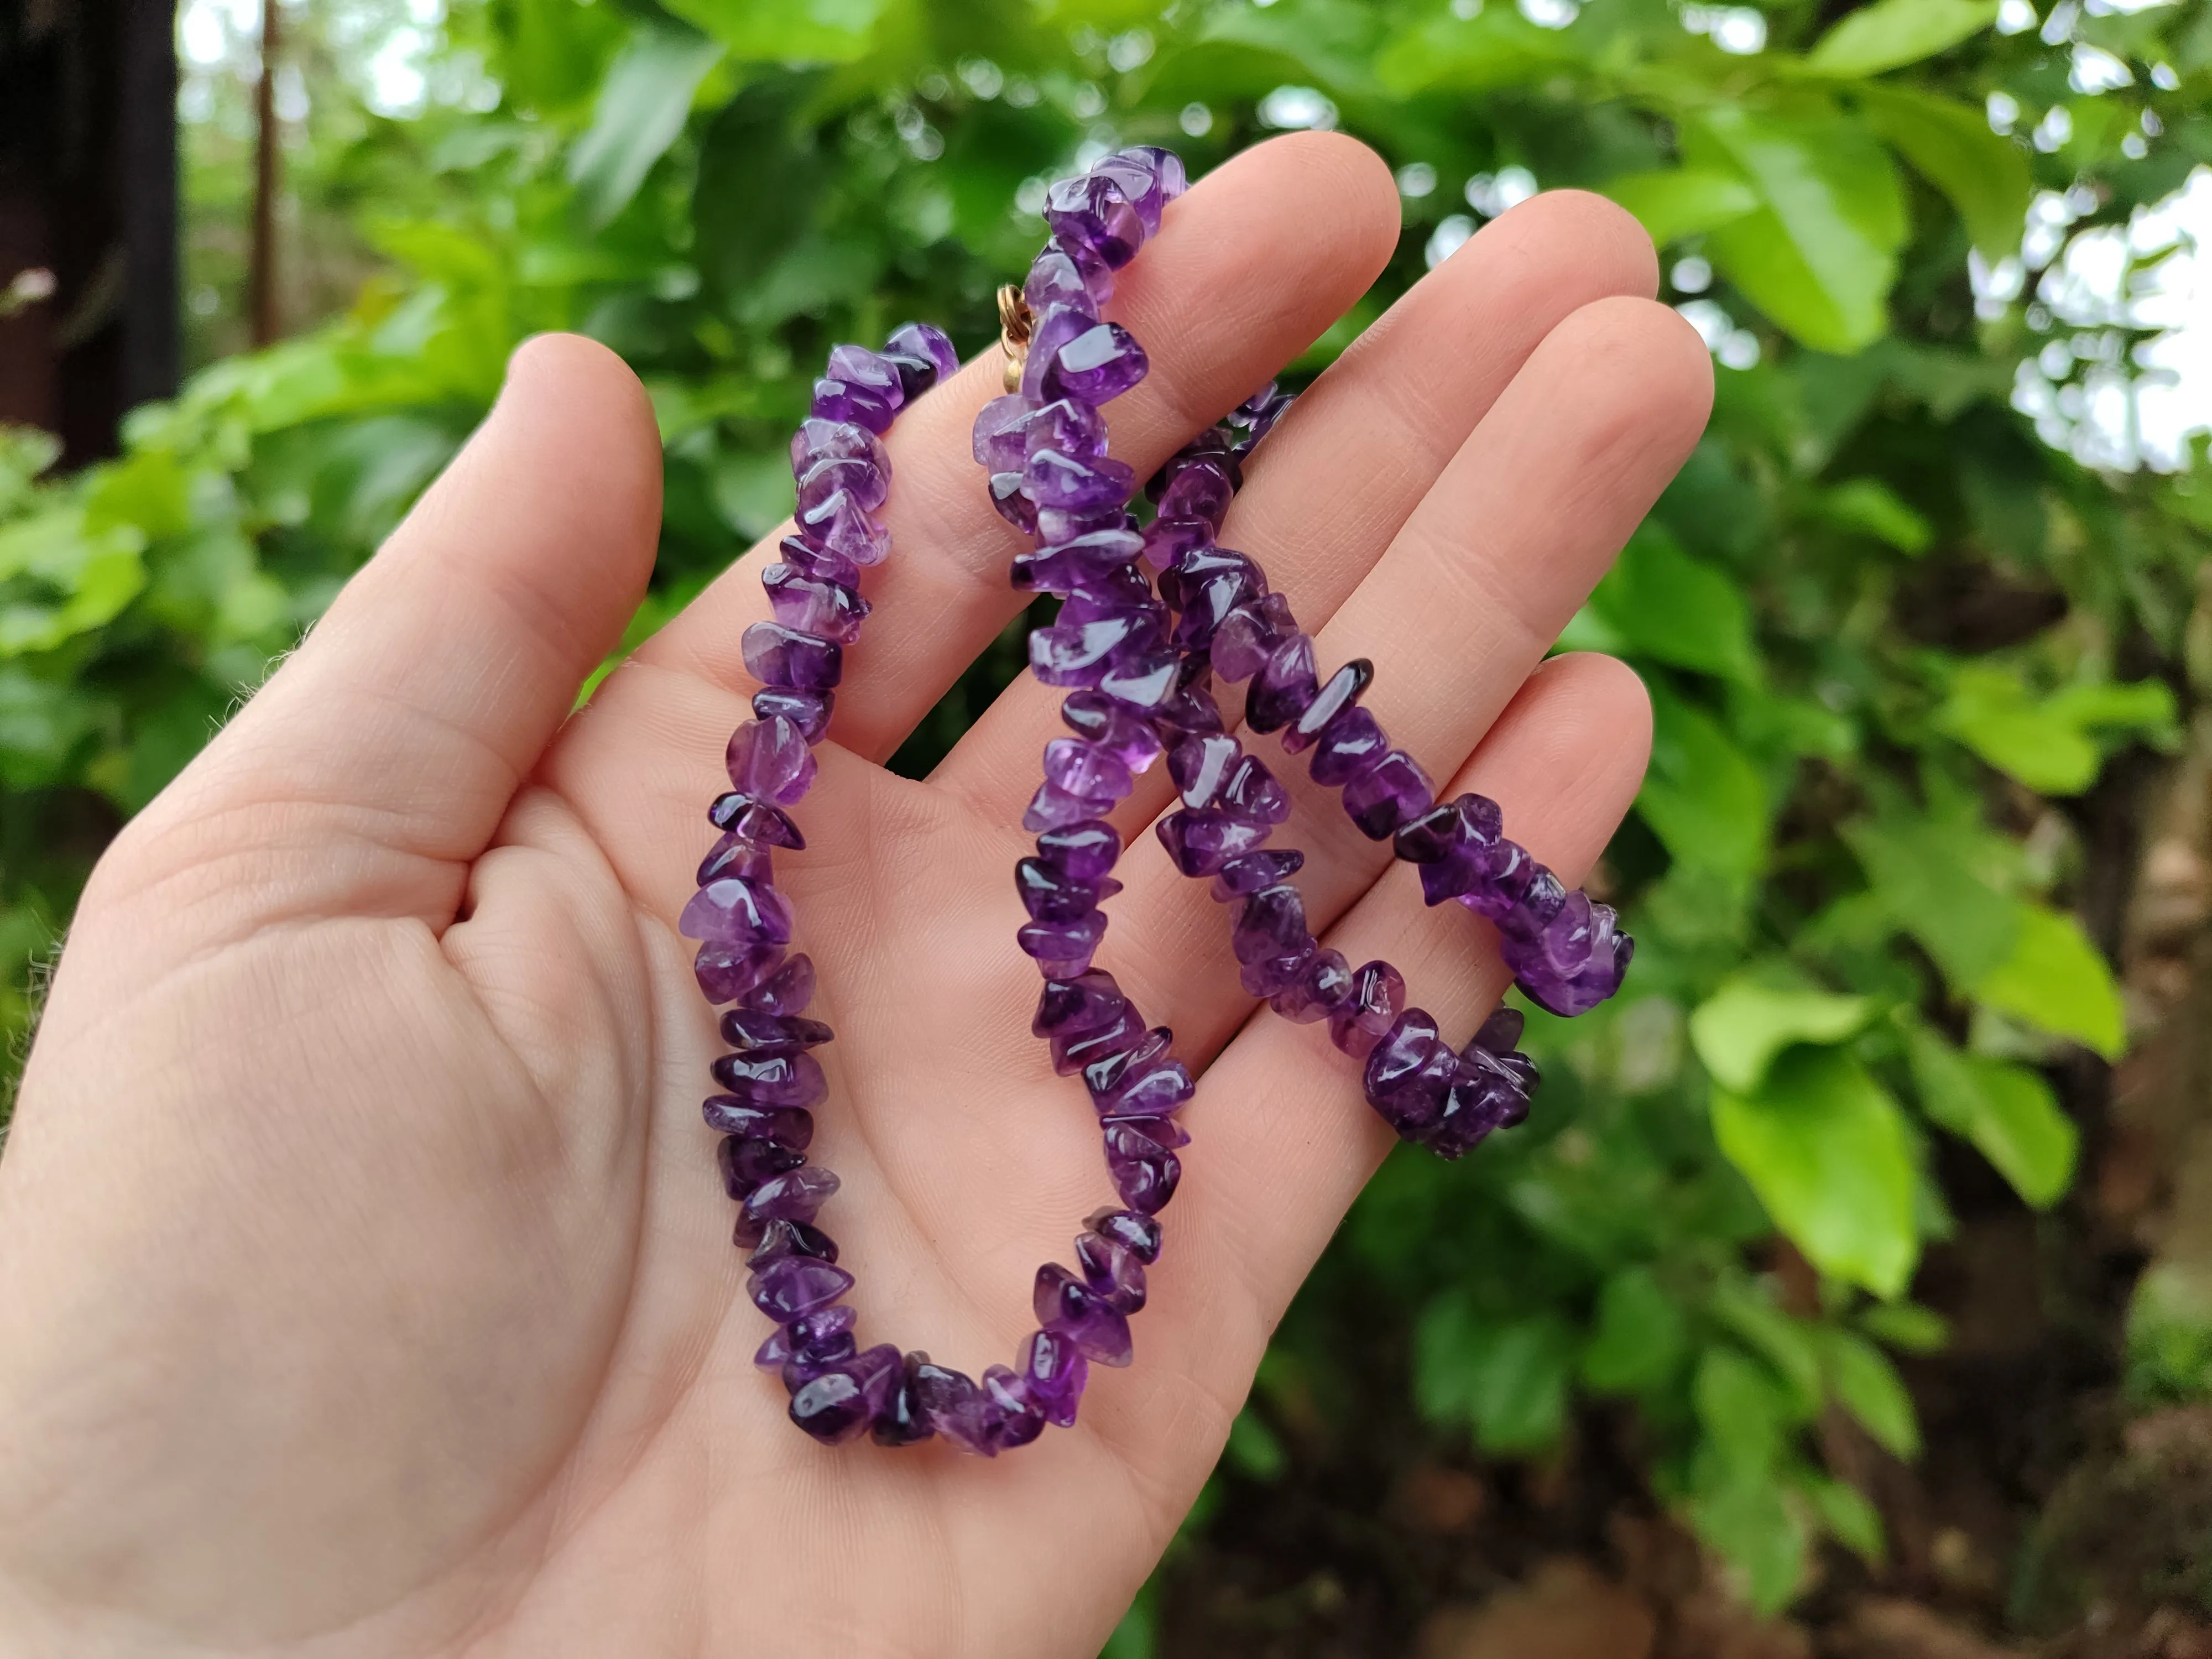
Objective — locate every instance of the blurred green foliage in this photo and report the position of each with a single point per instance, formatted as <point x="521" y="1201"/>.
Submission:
<point x="1889" y="630"/>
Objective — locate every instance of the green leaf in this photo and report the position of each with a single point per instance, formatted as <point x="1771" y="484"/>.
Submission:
<point x="1740" y="1029"/>
<point x="1509" y="1376"/>
<point x="1253" y="1449"/>
<point x="1867" y="1386"/>
<point x="1850" y="1518"/>
<point x="1742" y="1409"/>
<point x="1905" y="1325"/>
<point x="1759" y="1534"/>
<point x="1826" y="1149"/>
<point x="1984" y="175"/>
<point x="1928" y="874"/>
<point x="1894" y="33"/>
<point x="1639" y="1337"/>
<point x="1994" y="714"/>
<point x="2009" y="1112"/>
<point x="641" y="109"/>
<point x="1820" y="255"/>
<point x="1663" y="604"/>
<point x="1873" y="508"/>
<point x="1748" y="1311"/>
<point x="2056" y="979"/>
<point x="1498" y="47"/>
<point x="1703" y="798"/>
<point x="1673" y="203"/>
<point x="788" y="32"/>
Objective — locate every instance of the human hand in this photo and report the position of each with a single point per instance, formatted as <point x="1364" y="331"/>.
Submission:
<point x="365" y="1280"/>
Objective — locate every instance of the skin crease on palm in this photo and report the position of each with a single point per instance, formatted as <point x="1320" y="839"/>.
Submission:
<point x="365" y="1286"/>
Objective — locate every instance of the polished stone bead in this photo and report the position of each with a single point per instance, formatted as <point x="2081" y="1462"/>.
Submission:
<point x="757" y="1032"/>
<point x="1143" y="677"/>
<point x="1085" y="1003"/>
<point x="1054" y="329"/>
<point x="755" y="820"/>
<point x="727" y="970"/>
<point x="1582" y="934"/>
<point x="769" y="759"/>
<point x="1484" y="1096"/>
<point x="788" y="1126"/>
<point x="1378" y="993"/>
<point x="1200" y="842"/>
<point x="1118" y="591"/>
<point x="830" y="610"/>
<point x="1341" y="690"/>
<point x="1409" y="1072"/>
<point x="1097" y="365"/>
<point x="1097" y="275"/>
<point x="1016" y="509"/>
<point x="1140" y="1232"/>
<point x="1082" y="654"/>
<point x="1052" y="807"/>
<point x="1091" y="211"/>
<point x="1011" y="1417"/>
<point x="797" y="1195"/>
<point x="733" y="855"/>
<point x="1452" y="844"/>
<point x="833" y="1408"/>
<point x="1052" y="479"/>
<point x="808" y="1333"/>
<point x="1509" y="874"/>
<point x="1062" y="949"/>
<point x="1075" y="1051"/>
<point x="1322" y="989"/>
<point x="1388" y="793"/>
<point x="1066" y="427"/>
<point x="729" y="1158"/>
<point x="836" y="440"/>
<point x="1252" y="795"/>
<point x="787" y="991"/>
<point x="1112" y="1271"/>
<point x="903" y="1420"/>
<point x="1064" y="1303"/>
<point x="734" y="908"/>
<point x="1156" y="1087"/>
<point x="1138" y="178"/>
<point x="1053" y="1367"/>
<point x="1209" y="583"/>
<point x="776" y="655"/>
<point x="928" y="342"/>
<point x="1353" y="745"/>
<point x="783" y="1238"/>
<point x="791" y="1079"/>
<point x="840" y="400"/>
<point x="810" y="558"/>
<point x="868" y="486"/>
<point x="858" y="365"/>
<point x="1056" y="525"/>
<point x="1253" y="870"/>
<point x="808" y="1361"/>
<point x="1249" y="634"/>
<point x="1048" y="895"/>
<point x="1271" y="976"/>
<point x="839" y="524"/>
<point x="1111" y="726"/>
<point x="1086" y="559"/>
<point x="1201" y="765"/>
<point x="747" y="1164"/>
<point x="1144" y="1174"/>
<point x="807" y="709"/>
<point x="1284" y="686"/>
<point x="1054" y="279"/>
<point x="1197" y="490"/>
<point x="1167" y="540"/>
<point x="1087" y="768"/>
<point x="1271" y="922"/>
<point x="953" y="1406"/>
<point x="1080" y="852"/>
<point x="796" y="1284"/>
<point x="997" y="441"/>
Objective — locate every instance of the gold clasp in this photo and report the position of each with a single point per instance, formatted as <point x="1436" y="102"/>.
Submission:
<point x="1016" y="323"/>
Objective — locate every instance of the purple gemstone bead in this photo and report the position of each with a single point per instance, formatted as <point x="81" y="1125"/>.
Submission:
<point x="1109" y="726"/>
<point x="808" y="1333"/>
<point x="1391" y="793"/>
<point x="1585" y="935"/>
<point x="788" y="991"/>
<point x="791" y="1126"/>
<point x="1054" y="279"/>
<point x="817" y="441"/>
<point x="735" y="909"/>
<point x="783" y="1238"/>
<point x="1062" y="949"/>
<point x="1342" y="690"/>
<point x="1147" y="1088"/>
<point x="1271" y="976"/>
<point x="1064" y="1303"/>
<point x="1097" y="365"/>
<point x="833" y="1408"/>
<point x="809" y="559"/>
<point x="1140" y="1232"/>
<point x="842" y="401"/>
<point x="928" y="343"/>
<point x="1200" y="842"/>
<point x="1103" y="1076"/>
<point x="1378" y="992"/>
<point x="1052" y="479"/>
<point x="1054" y="328"/>
<point x="1322" y="989"/>
<point x="1284" y="687"/>
<point x="1052" y="807"/>
<point x="1352" y="745"/>
<point x="1112" y="1271"/>
<point x="1011" y="1417"/>
<point x="1409" y="1072"/>
<point x="1137" y="179"/>
<point x="769" y="759"/>
<point x="1144" y="1173"/>
<point x="726" y="970"/>
<point x="754" y="820"/>
<point x="776" y="655"/>
<point x="788" y="1079"/>
<point x="901" y="1420"/>
<point x="796" y="1284"/>
<point x="1271" y="922"/>
<point x="1084" y="653"/>
<point x="1167" y="540"/>
<point x="1053" y="1367"/>
<point x="1141" y="676"/>
<point x="869" y="371"/>
<point x="1452" y="844"/>
<point x="1048" y="895"/>
<point x="1253" y="870"/>
<point x="807" y="710"/>
<point x="839" y="525"/>
<point x="999" y="443"/>
<point x="1016" y="509"/>
<point x="747" y="1164"/>
<point x="1090" y="211"/>
<point x="1086" y="560"/>
<point x="953" y="1406"/>
<point x="1082" y="767"/>
<point x="1080" y="852"/>
<point x="798" y="1195"/>
<point x="811" y="605"/>
<point x="1197" y="489"/>
<point x="1077" y="1051"/>
<point x="757" y="1032"/>
<point x="733" y="855"/>
<point x="1249" y="634"/>
<point x="1084" y="1003"/>
<point x="857" y="478"/>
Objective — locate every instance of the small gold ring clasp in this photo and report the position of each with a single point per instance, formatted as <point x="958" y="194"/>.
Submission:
<point x="1016" y="323"/>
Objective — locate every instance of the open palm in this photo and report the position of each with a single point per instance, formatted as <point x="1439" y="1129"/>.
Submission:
<point x="365" y="1278"/>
